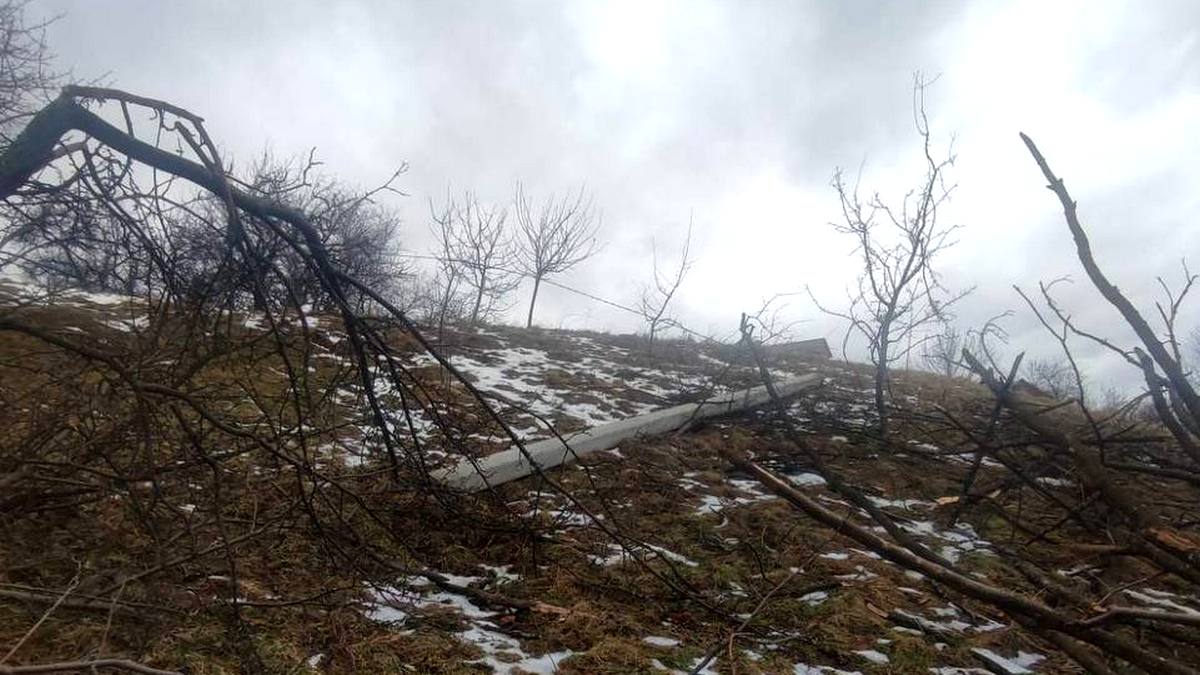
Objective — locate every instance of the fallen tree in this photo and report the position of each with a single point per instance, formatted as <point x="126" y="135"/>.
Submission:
<point x="194" y="394"/>
<point x="1120" y="504"/>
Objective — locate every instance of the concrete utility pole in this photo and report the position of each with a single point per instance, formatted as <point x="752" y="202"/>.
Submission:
<point x="511" y="464"/>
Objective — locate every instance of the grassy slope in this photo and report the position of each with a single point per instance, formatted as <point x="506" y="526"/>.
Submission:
<point x="727" y="542"/>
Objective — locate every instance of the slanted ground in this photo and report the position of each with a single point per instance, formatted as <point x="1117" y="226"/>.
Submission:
<point x="662" y="555"/>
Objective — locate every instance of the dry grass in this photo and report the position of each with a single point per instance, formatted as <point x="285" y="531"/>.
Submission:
<point x="301" y="587"/>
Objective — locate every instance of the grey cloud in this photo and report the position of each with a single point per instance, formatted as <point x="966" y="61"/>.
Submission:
<point x="481" y="94"/>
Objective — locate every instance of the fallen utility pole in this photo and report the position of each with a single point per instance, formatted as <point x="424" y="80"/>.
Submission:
<point x="511" y="464"/>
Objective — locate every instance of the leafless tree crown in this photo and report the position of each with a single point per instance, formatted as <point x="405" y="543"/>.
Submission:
<point x="27" y="76"/>
<point x="899" y="291"/>
<point x="555" y="236"/>
<point x="476" y="248"/>
<point x="655" y="299"/>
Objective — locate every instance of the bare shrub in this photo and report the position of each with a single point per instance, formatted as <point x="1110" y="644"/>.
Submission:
<point x="655" y="299"/>
<point x="1051" y="376"/>
<point x="941" y="351"/>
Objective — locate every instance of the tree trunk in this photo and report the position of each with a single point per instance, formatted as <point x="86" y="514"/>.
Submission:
<point x="881" y="377"/>
<point x="478" y="302"/>
<point x="537" y="281"/>
<point x="447" y="296"/>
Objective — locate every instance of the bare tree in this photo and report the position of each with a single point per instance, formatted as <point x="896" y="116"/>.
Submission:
<point x="360" y="233"/>
<point x="27" y="77"/>
<point x="444" y="288"/>
<point x="102" y="246"/>
<point x="656" y="297"/>
<point x="1192" y="357"/>
<point x="1086" y="624"/>
<point x="26" y="82"/>
<point x="941" y="350"/>
<point x="1157" y="354"/>
<point x="1051" y="376"/>
<point x="554" y="237"/>
<point x="146" y="391"/>
<point x="899" y="290"/>
<point x="166" y="424"/>
<point x="477" y="239"/>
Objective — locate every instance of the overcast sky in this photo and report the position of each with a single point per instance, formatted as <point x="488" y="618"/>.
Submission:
<point x="736" y="112"/>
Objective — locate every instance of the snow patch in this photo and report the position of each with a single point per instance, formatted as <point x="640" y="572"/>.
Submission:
<point x="873" y="656"/>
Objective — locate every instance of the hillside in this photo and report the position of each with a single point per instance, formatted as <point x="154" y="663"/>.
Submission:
<point x="197" y="492"/>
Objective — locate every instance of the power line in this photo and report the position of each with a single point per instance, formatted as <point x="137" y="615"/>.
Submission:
<point x="586" y="294"/>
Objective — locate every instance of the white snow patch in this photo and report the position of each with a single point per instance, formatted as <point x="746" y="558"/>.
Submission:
<point x="481" y="633"/>
<point x="873" y="656"/>
<point x="815" y="598"/>
<point x="618" y="555"/>
<point x="861" y="574"/>
<point x="806" y="479"/>
<point x="503" y="573"/>
<point x="906" y="504"/>
<point x="805" y="669"/>
<point x="128" y="325"/>
<point x="494" y="644"/>
<point x="1156" y="599"/>
<point x="1018" y="665"/>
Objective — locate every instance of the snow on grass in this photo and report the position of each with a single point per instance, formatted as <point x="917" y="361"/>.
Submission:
<point x="805" y="669"/>
<point x="1017" y="665"/>
<point x="503" y="654"/>
<point x="101" y="298"/>
<point x="1160" y="600"/>
<point x="867" y="554"/>
<point x="522" y="374"/>
<point x="569" y="518"/>
<point x="860" y="574"/>
<point x="618" y="555"/>
<point x="672" y="556"/>
<point x="952" y="621"/>
<point x="805" y="479"/>
<point x="955" y="541"/>
<point x="750" y="493"/>
<point x="657" y="641"/>
<point x="694" y="668"/>
<point x="711" y="504"/>
<point x="906" y="504"/>
<point x="462" y="603"/>
<point x="128" y="325"/>
<point x="502" y="573"/>
<point x="873" y="656"/>
<point x="815" y="598"/>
